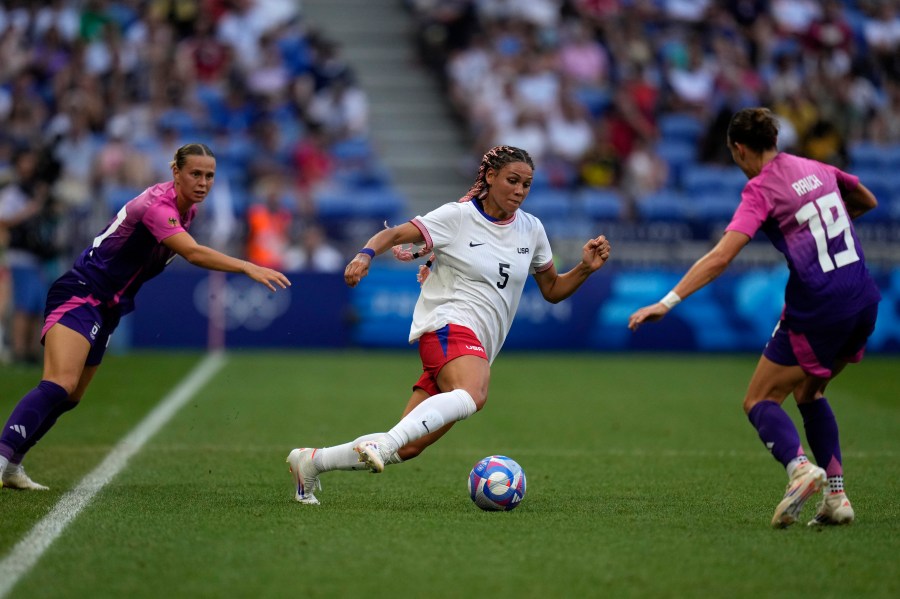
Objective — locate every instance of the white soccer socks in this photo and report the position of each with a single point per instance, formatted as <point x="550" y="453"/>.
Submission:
<point x="430" y="415"/>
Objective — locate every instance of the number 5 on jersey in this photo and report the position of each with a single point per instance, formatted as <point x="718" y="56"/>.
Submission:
<point x="503" y="275"/>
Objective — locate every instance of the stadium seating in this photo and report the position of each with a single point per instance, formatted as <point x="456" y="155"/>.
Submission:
<point x="701" y="179"/>
<point x="680" y="126"/>
<point x="665" y="205"/>
<point x="678" y="153"/>
<point x="601" y="204"/>
<point x="712" y="207"/>
<point x="547" y="203"/>
<point x="337" y="202"/>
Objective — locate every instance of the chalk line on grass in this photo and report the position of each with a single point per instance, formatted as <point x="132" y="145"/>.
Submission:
<point x="29" y="550"/>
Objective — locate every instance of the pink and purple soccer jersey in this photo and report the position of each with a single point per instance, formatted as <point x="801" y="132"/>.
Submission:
<point x="797" y="203"/>
<point x="130" y="251"/>
<point x="92" y="296"/>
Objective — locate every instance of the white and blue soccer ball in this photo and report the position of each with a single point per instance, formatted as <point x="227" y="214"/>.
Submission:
<point x="497" y="483"/>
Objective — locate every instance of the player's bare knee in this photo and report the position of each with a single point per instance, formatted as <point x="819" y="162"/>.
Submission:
<point x="749" y="402"/>
<point x="480" y="399"/>
<point x="752" y="400"/>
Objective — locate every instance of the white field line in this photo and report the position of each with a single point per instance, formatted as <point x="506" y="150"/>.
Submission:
<point x="29" y="550"/>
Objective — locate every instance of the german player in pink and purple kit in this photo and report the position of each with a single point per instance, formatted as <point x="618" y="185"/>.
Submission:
<point x="85" y="304"/>
<point x="806" y="208"/>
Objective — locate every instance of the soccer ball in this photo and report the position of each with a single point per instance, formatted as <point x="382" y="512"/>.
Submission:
<point x="497" y="483"/>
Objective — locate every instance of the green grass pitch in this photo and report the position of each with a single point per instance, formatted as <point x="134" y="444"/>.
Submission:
<point x="644" y="480"/>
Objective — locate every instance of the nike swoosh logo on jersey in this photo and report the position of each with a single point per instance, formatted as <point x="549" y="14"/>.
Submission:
<point x="475" y="245"/>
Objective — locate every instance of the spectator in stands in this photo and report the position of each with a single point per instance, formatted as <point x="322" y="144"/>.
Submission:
<point x="569" y="132"/>
<point x="798" y="108"/>
<point x="314" y="252"/>
<point x="692" y="82"/>
<point x="644" y="171"/>
<point x="75" y="152"/>
<point x="312" y="162"/>
<point x="602" y="165"/>
<point x="885" y="124"/>
<point x="831" y="33"/>
<point x="341" y="109"/>
<point x="795" y="17"/>
<point x="119" y="171"/>
<point x="529" y="130"/>
<point x="831" y="304"/>
<point x="85" y="304"/>
<point x="537" y="84"/>
<point x="823" y="142"/>
<point x="581" y="59"/>
<point x="29" y="214"/>
<point x="269" y="224"/>
<point x="881" y="32"/>
<point x="628" y="121"/>
<point x="202" y="57"/>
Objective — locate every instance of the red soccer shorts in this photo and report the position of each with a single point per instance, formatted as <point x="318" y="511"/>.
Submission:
<point x="436" y="348"/>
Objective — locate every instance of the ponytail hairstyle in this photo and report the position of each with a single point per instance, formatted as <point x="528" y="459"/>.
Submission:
<point x="191" y="149"/>
<point x="495" y="159"/>
<point x="756" y="128"/>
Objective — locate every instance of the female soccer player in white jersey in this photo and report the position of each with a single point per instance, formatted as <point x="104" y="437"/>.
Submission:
<point x="484" y="249"/>
<point x="806" y="209"/>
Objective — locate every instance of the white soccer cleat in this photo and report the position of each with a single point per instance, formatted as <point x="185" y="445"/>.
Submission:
<point x="807" y="480"/>
<point x="15" y="477"/>
<point x="306" y="477"/>
<point x="370" y="455"/>
<point x="834" y="509"/>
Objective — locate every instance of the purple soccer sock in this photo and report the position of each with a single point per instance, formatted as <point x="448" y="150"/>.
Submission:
<point x="776" y="431"/>
<point x="822" y="435"/>
<point x="61" y="408"/>
<point x="28" y="416"/>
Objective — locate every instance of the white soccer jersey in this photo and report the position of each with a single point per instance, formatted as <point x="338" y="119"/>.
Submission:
<point x="479" y="271"/>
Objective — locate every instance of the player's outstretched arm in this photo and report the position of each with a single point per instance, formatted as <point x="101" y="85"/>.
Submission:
<point x="205" y="257"/>
<point x="378" y="244"/>
<point x="557" y="287"/>
<point x="704" y="271"/>
<point x="859" y="201"/>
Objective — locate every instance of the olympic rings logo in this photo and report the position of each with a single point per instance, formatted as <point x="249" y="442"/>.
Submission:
<point x="245" y="303"/>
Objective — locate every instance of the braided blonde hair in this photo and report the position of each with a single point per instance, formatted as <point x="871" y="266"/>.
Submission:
<point x="495" y="158"/>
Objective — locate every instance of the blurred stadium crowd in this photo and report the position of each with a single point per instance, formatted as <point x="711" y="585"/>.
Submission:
<point x="623" y="104"/>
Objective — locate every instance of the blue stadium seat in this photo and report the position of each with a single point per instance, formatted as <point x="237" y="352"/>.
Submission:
<point x="699" y="179"/>
<point x="713" y="207"/>
<point x="665" y="205"/>
<point x="337" y="202"/>
<point x="569" y="228"/>
<point x="368" y="175"/>
<point x="886" y="187"/>
<point x="678" y="153"/>
<point x="878" y="181"/>
<point x="549" y="203"/>
<point x="866" y="155"/>
<point x="595" y="100"/>
<point x="354" y="149"/>
<point x="892" y="158"/>
<point x="602" y="204"/>
<point x="680" y="126"/>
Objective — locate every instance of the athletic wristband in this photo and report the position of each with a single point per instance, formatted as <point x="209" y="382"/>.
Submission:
<point x="368" y="252"/>
<point x="670" y="300"/>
